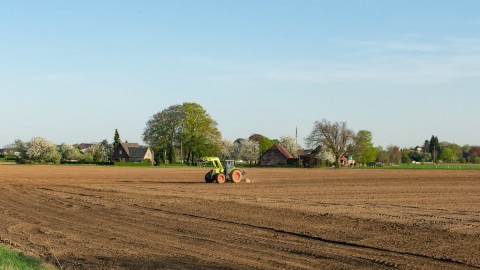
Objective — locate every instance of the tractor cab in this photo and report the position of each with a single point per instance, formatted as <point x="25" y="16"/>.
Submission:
<point x="228" y="165"/>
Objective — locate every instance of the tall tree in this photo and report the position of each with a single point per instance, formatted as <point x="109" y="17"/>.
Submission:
<point x="362" y="149"/>
<point x="434" y="148"/>
<point x="334" y="136"/>
<point x="163" y="132"/>
<point x="187" y="129"/>
<point x="382" y="155"/>
<point x="200" y="135"/>
<point x="395" y="155"/>
<point x="116" y="139"/>
<point x="426" y="146"/>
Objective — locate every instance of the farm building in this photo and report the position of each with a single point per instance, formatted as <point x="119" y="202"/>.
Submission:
<point x="347" y="160"/>
<point x="132" y="152"/>
<point x="309" y="157"/>
<point x="276" y="155"/>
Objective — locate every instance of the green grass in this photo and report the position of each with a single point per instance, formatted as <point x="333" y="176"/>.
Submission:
<point x="432" y="167"/>
<point x="131" y="164"/>
<point x="12" y="260"/>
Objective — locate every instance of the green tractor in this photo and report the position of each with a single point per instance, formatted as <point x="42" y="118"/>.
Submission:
<point x="222" y="171"/>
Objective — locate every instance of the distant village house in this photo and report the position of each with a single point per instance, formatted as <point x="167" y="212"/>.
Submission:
<point x="132" y="152"/>
<point x="85" y="147"/>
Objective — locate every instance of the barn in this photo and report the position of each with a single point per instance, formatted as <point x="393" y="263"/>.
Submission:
<point x="276" y="155"/>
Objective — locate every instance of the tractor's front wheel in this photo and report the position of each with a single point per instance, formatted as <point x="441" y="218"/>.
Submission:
<point x="221" y="178"/>
<point x="236" y="176"/>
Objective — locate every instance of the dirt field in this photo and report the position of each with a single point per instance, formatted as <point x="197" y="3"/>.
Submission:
<point x="148" y="218"/>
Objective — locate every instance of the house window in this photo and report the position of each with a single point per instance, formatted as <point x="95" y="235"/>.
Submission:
<point x="119" y="152"/>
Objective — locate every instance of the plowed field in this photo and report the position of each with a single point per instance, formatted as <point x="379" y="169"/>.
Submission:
<point x="150" y="218"/>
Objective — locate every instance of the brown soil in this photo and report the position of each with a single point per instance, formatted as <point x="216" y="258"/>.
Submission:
<point x="149" y="218"/>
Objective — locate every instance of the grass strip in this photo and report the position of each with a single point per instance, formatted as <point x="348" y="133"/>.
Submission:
<point x="13" y="260"/>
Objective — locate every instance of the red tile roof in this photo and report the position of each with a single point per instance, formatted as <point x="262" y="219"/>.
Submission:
<point x="281" y="149"/>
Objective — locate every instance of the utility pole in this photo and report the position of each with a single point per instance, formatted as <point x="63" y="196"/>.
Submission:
<point x="296" y="135"/>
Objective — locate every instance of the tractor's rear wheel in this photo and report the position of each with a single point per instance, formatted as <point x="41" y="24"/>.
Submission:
<point x="236" y="176"/>
<point x="208" y="177"/>
<point x="220" y="178"/>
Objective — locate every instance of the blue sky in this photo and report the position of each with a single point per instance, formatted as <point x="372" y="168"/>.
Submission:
<point x="73" y="71"/>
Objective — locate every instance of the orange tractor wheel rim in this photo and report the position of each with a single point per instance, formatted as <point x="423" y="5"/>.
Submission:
<point x="236" y="176"/>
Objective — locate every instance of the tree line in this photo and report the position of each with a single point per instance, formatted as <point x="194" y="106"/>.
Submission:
<point x="42" y="151"/>
<point x="433" y="151"/>
<point x="186" y="132"/>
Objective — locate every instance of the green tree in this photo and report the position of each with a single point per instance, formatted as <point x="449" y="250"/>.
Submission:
<point x="265" y="143"/>
<point x="116" y="139"/>
<point x="455" y="148"/>
<point x="69" y="152"/>
<point x="382" y="155"/>
<point x="362" y="149"/>
<point x="186" y="129"/>
<point x="200" y="135"/>
<point x="447" y="155"/>
<point x="163" y="132"/>
<point x="406" y="159"/>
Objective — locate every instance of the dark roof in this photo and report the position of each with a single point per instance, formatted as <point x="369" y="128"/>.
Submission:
<point x="281" y="149"/>
<point x="311" y="152"/>
<point x="83" y="146"/>
<point x="137" y="152"/>
<point x="129" y="146"/>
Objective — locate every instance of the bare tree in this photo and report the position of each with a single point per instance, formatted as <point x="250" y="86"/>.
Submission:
<point x="334" y="136"/>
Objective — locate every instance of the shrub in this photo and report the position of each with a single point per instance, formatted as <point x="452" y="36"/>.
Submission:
<point x="406" y="160"/>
